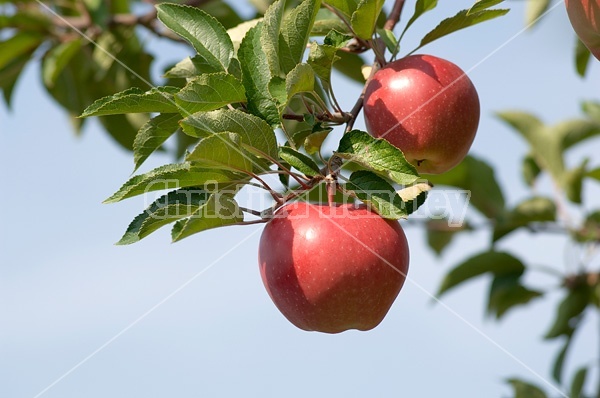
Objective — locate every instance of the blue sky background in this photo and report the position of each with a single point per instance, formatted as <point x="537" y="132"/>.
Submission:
<point x="192" y="319"/>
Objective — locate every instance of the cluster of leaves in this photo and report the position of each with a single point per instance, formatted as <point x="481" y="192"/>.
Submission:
<point x="548" y="147"/>
<point x="246" y="83"/>
<point x="88" y="49"/>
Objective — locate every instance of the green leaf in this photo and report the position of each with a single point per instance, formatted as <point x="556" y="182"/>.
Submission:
<point x="326" y="21"/>
<point x="350" y="65"/>
<point x="595" y="174"/>
<point x="26" y="20"/>
<point x="57" y="59"/>
<point x="173" y="176"/>
<point x="507" y="292"/>
<point x="256" y="77"/>
<point x="278" y="92"/>
<point x="477" y="177"/>
<point x="531" y="170"/>
<point x="378" y="194"/>
<point x="208" y="37"/>
<point x="337" y="39"/>
<point x="463" y="19"/>
<point x="421" y="7"/>
<point x="534" y="11"/>
<point x="152" y="135"/>
<point x="99" y="11"/>
<point x="570" y="308"/>
<point x="346" y="7"/>
<point x="270" y="35"/>
<point x="253" y="130"/>
<point x="557" y="369"/>
<point x="135" y="100"/>
<point x="573" y="132"/>
<point x="496" y="263"/>
<point x="299" y="161"/>
<point x="219" y="211"/>
<point x="582" y="57"/>
<point x="301" y="79"/>
<point x="440" y="233"/>
<point x="10" y="74"/>
<point x="532" y="210"/>
<point x="314" y="141"/>
<point x="526" y="390"/>
<point x="573" y="181"/>
<point x="364" y="19"/>
<point x="321" y="58"/>
<point x="222" y="150"/>
<point x="19" y="44"/>
<point x="167" y="209"/>
<point x="591" y="109"/>
<point x="578" y="383"/>
<point x="294" y="34"/>
<point x="590" y="230"/>
<point x="190" y="67"/>
<point x="389" y="39"/>
<point x="481" y="5"/>
<point x="546" y="145"/>
<point x="209" y="92"/>
<point x="377" y="155"/>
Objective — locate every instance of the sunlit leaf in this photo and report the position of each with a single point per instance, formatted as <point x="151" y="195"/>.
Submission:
<point x="135" y="100"/>
<point x="364" y="18"/>
<point x="220" y="210"/>
<point x="173" y="176"/>
<point x="463" y="19"/>
<point x="299" y="161"/>
<point x="377" y="155"/>
<point x="257" y="76"/>
<point x="253" y="130"/>
<point x="208" y="37"/>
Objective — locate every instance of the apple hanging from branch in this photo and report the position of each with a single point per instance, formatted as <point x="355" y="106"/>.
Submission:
<point x="585" y="19"/>
<point x="330" y="268"/>
<point x="427" y="107"/>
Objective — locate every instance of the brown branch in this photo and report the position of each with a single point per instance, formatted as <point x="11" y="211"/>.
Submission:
<point x="394" y="16"/>
<point x="391" y="22"/>
<point x="148" y="20"/>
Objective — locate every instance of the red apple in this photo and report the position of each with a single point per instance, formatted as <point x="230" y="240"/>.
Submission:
<point x="427" y="107"/>
<point x="585" y="18"/>
<point x="332" y="268"/>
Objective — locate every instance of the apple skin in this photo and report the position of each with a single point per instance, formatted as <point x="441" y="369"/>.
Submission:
<point x="585" y="19"/>
<point x="332" y="268"/>
<point x="427" y="107"/>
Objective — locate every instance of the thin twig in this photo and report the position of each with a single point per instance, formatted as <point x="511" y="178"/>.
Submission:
<point x="394" y="16"/>
<point x="251" y="211"/>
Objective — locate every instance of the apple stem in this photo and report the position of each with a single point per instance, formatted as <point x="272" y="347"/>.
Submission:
<point x="331" y="188"/>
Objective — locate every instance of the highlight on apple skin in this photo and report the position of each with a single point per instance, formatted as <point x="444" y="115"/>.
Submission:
<point x="427" y="107"/>
<point x="585" y="19"/>
<point x="331" y="268"/>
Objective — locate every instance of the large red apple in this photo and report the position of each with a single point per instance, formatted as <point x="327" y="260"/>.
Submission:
<point x="585" y="18"/>
<point x="427" y="107"/>
<point x="332" y="268"/>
